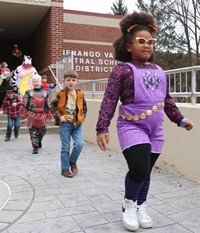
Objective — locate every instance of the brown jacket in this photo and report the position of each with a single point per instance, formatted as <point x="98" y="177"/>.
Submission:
<point x="58" y="106"/>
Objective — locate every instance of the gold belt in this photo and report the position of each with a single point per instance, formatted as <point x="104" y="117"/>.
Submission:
<point x="143" y="115"/>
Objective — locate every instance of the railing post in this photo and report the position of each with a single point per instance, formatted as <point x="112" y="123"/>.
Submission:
<point x="193" y="87"/>
<point x="93" y="89"/>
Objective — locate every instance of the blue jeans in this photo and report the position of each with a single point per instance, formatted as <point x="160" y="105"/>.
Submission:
<point x="11" y="122"/>
<point x="67" y="130"/>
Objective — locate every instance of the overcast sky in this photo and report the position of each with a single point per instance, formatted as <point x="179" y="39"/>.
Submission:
<point x="100" y="6"/>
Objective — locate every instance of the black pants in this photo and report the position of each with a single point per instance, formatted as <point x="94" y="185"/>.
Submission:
<point x="140" y="161"/>
<point x="2" y="96"/>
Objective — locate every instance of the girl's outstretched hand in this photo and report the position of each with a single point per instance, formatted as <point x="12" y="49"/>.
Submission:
<point x="103" y="140"/>
<point x="188" y="125"/>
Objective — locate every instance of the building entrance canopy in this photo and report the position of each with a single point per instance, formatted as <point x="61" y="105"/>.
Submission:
<point x="19" y="18"/>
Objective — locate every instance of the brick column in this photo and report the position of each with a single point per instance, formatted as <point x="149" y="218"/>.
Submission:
<point x="56" y="30"/>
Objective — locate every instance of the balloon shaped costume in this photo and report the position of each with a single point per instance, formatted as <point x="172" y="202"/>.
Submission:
<point x="23" y="75"/>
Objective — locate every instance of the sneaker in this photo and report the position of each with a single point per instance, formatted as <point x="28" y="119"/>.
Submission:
<point x="74" y="168"/>
<point x="144" y="220"/>
<point x="67" y="173"/>
<point x="7" y="139"/>
<point x="35" y="150"/>
<point x="129" y="215"/>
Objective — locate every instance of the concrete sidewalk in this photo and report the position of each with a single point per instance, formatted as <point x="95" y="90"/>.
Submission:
<point x="43" y="201"/>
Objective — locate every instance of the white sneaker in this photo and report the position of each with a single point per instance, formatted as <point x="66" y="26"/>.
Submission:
<point x="129" y="215"/>
<point x="144" y="220"/>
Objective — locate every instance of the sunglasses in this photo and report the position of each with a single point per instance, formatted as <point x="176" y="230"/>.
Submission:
<point x="142" y="41"/>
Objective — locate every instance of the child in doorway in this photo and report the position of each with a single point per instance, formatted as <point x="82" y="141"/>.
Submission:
<point x="5" y="80"/>
<point x="47" y="85"/>
<point x="4" y="68"/>
<point x="142" y="89"/>
<point x="12" y="105"/>
<point x="69" y="109"/>
<point x="36" y="104"/>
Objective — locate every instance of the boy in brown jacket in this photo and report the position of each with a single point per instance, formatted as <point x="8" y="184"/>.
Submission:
<point x="69" y="110"/>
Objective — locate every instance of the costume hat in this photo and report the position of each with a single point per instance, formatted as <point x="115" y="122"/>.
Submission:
<point x="9" y="88"/>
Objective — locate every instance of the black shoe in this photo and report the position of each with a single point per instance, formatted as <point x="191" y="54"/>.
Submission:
<point x="40" y="145"/>
<point x="7" y="139"/>
<point x="35" y="150"/>
<point x="16" y="134"/>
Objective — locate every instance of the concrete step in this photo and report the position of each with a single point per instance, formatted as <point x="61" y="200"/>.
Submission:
<point x="3" y="117"/>
<point x="23" y="129"/>
<point x="3" y="123"/>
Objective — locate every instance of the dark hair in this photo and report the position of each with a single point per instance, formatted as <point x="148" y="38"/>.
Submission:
<point x="141" y="21"/>
<point x="44" y="76"/>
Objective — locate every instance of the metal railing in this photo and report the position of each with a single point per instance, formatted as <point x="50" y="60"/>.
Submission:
<point x="183" y="83"/>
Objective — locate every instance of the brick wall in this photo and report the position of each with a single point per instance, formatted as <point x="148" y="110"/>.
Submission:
<point x="54" y="36"/>
<point x="47" y="40"/>
<point x="88" y="66"/>
<point x="91" y="32"/>
<point x="56" y="32"/>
